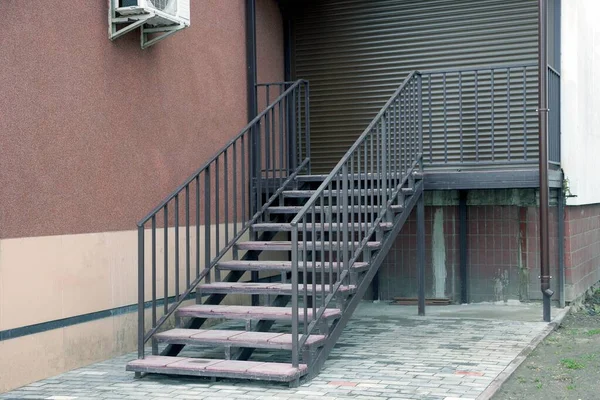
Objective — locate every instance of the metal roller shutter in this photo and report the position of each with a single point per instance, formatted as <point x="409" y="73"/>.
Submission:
<point x="355" y="53"/>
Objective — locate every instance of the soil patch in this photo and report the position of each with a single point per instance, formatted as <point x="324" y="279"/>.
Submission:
<point x="566" y="365"/>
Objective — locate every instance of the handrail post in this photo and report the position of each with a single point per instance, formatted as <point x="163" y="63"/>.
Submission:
<point x="307" y="125"/>
<point x="141" y="289"/>
<point x="345" y="218"/>
<point x="384" y="167"/>
<point x="420" y="117"/>
<point x="295" y="350"/>
<point x="291" y="129"/>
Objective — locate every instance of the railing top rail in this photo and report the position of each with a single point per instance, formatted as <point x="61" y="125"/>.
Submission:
<point x="347" y="155"/>
<point x="474" y="69"/>
<point x="553" y="70"/>
<point x="191" y="178"/>
<point x="278" y="83"/>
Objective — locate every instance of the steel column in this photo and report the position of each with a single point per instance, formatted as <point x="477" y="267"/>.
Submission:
<point x="462" y="233"/>
<point x="421" y="253"/>
<point x="543" y="160"/>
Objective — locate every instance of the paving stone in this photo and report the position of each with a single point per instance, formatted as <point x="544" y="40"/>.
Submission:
<point x="423" y="358"/>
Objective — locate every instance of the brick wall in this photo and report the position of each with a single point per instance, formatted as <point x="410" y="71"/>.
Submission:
<point x="582" y="249"/>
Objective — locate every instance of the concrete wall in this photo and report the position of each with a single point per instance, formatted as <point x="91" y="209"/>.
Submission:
<point x="93" y="135"/>
<point x="580" y="85"/>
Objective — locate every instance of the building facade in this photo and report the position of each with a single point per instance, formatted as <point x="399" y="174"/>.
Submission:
<point x="94" y="133"/>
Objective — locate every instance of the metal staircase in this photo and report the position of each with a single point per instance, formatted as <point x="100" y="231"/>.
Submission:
<point x="298" y="251"/>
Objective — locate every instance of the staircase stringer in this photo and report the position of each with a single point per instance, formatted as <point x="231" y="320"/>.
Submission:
<point x="364" y="282"/>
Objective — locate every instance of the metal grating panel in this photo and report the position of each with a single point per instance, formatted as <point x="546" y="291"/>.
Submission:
<point x="355" y="53"/>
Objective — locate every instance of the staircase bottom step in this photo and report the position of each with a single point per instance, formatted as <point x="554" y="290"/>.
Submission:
<point x="267" y="371"/>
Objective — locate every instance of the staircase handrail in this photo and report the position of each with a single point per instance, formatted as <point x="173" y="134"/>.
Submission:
<point x="394" y="140"/>
<point x="240" y="166"/>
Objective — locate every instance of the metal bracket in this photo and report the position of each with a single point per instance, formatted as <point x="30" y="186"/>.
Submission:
<point x="166" y="32"/>
<point x="140" y="21"/>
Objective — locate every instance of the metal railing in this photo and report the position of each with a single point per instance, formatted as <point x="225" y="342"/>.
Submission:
<point x="333" y="228"/>
<point x="218" y="203"/>
<point x="553" y="116"/>
<point x="480" y="116"/>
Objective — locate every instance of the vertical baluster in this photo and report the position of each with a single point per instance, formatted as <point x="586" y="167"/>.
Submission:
<point x="345" y="219"/>
<point x="207" y="234"/>
<point x="476" y="115"/>
<point x="420" y="113"/>
<point x="295" y="319"/>
<point x="275" y="167"/>
<point x="187" y="236"/>
<point x="217" y="219"/>
<point x="226" y="195"/>
<point x="166" y="259"/>
<point x="445" y="121"/>
<point x="177" y="247"/>
<point x="197" y="226"/>
<point x="525" y="152"/>
<point x="493" y="122"/>
<point x="338" y="219"/>
<point x="372" y="174"/>
<point x="313" y="256"/>
<point x="330" y="220"/>
<point x="508" y="111"/>
<point x="141" y="292"/>
<point x="307" y="124"/>
<point x="281" y="147"/>
<point x="429" y="105"/>
<point x="322" y="235"/>
<point x="359" y="189"/>
<point x="352" y="174"/>
<point x="284" y="138"/>
<point x="460" y="116"/>
<point x="365" y="146"/>
<point x="305" y="241"/>
<point x="154" y="270"/>
<point x="235" y="189"/>
<point x="245" y="181"/>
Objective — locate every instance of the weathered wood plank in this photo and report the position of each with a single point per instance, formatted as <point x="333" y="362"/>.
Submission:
<point x="266" y="288"/>
<point x="282" y="266"/>
<point x="249" y="312"/>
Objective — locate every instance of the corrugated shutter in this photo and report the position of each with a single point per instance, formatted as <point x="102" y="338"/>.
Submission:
<point x="355" y="53"/>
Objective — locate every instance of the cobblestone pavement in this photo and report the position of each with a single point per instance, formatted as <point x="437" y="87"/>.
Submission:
<point x="386" y="352"/>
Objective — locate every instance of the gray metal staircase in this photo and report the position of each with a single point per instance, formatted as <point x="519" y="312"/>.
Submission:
<point x="297" y="255"/>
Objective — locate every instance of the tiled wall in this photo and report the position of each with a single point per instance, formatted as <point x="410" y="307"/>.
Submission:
<point x="502" y="251"/>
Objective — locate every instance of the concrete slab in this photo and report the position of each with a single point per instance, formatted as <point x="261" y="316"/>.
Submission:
<point x="387" y="351"/>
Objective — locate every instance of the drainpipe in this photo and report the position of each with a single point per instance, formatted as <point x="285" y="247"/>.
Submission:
<point x="252" y="112"/>
<point x="251" y="58"/>
<point x="543" y="159"/>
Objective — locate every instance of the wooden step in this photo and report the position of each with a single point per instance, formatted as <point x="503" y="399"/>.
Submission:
<point x="282" y="266"/>
<point x="257" y="370"/>
<point x="213" y="337"/>
<point x="266" y="288"/>
<point x="287" y="245"/>
<point x="328" y="210"/>
<point x="285" y="227"/>
<point x="250" y="312"/>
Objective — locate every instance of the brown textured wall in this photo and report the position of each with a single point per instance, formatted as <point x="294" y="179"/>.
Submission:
<point x="92" y="133"/>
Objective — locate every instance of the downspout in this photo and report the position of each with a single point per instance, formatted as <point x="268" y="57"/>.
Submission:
<point x="252" y="112"/>
<point x="251" y="58"/>
<point x="543" y="159"/>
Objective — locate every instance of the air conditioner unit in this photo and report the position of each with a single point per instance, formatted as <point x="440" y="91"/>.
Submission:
<point x="157" y="19"/>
